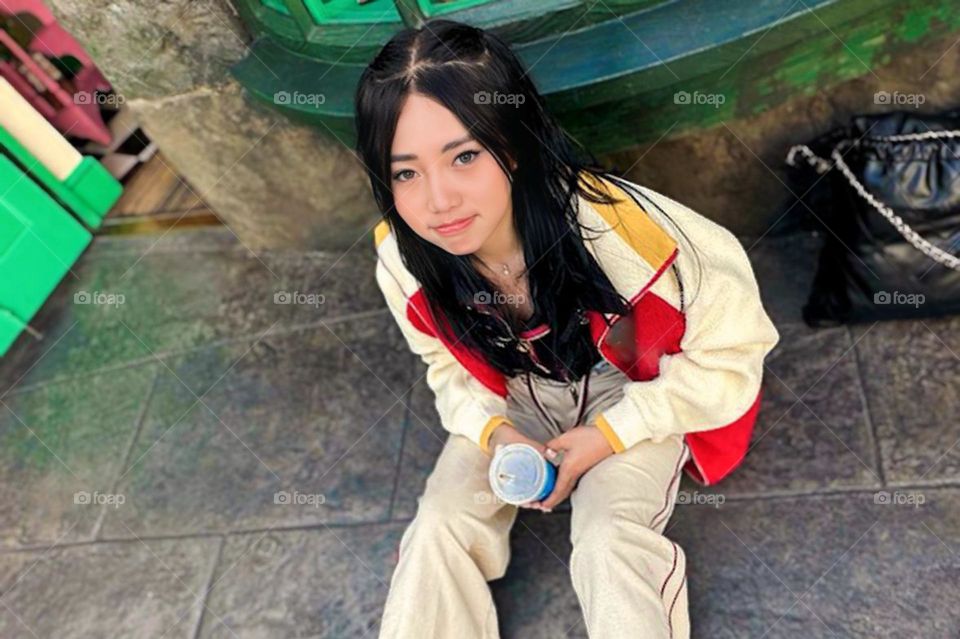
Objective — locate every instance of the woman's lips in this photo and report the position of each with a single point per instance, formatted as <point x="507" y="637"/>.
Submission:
<point x="456" y="227"/>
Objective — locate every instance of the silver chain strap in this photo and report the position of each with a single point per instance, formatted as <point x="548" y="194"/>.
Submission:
<point x="822" y="166"/>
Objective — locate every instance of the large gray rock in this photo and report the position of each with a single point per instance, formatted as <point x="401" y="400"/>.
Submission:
<point x="275" y="183"/>
<point x="150" y="49"/>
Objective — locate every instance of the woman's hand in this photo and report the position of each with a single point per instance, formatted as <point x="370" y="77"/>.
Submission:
<point x="584" y="447"/>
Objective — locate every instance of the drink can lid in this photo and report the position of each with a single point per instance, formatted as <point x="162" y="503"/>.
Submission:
<point x="517" y="473"/>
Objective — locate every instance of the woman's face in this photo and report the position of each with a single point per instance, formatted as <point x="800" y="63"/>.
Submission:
<point x="440" y="174"/>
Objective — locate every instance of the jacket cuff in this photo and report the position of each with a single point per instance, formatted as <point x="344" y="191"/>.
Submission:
<point x="623" y="425"/>
<point x="604" y="426"/>
<point x="491" y="425"/>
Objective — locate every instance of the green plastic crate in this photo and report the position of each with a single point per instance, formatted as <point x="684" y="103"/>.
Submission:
<point x="89" y="191"/>
<point x="39" y="242"/>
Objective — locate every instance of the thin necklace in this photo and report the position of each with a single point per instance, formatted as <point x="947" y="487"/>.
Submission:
<point x="505" y="268"/>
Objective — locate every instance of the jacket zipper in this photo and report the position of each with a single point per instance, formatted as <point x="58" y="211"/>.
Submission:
<point x="583" y="396"/>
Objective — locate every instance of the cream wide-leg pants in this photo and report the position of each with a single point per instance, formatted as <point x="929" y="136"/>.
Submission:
<point x="629" y="578"/>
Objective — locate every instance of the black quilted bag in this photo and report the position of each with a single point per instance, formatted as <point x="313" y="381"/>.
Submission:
<point x="885" y="193"/>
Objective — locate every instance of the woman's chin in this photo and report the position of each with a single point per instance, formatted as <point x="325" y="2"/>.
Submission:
<point x="459" y="245"/>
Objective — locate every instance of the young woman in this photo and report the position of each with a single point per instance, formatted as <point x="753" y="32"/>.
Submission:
<point x="554" y="304"/>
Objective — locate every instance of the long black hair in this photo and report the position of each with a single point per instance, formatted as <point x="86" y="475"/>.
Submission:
<point x="452" y="63"/>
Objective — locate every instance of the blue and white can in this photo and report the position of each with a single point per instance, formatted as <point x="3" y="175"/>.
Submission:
<point x="519" y="474"/>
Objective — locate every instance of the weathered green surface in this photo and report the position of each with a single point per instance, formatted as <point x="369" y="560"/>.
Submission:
<point x="614" y="83"/>
<point x="60" y="441"/>
<point x="169" y="301"/>
<point x="355" y="41"/>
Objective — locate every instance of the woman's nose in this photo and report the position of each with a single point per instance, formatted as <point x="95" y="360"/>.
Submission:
<point x="442" y="197"/>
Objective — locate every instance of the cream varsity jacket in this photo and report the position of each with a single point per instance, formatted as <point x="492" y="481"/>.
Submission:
<point x="695" y="368"/>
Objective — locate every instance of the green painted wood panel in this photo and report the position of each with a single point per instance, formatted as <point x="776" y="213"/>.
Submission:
<point x="622" y="81"/>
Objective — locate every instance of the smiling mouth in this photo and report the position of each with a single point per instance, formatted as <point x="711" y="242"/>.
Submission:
<point x="455" y="226"/>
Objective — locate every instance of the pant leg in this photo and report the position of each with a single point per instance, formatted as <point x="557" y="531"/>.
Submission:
<point x="626" y="573"/>
<point x="458" y="540"/>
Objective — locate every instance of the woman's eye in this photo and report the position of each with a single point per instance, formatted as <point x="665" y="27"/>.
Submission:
<point x="472" y="155"/>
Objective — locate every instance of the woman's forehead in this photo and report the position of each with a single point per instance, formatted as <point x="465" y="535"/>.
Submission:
<point x="426" y="127"/>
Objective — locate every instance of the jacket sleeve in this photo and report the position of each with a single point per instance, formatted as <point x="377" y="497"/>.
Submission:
<point x="716" y="376"/>
<point x="466" y="407"/>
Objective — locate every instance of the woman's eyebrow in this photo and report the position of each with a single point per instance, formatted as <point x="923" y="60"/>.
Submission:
<point x="403" y="157"/>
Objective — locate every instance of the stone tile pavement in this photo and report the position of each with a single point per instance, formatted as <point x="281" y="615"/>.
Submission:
<point x="198" y="458"/>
